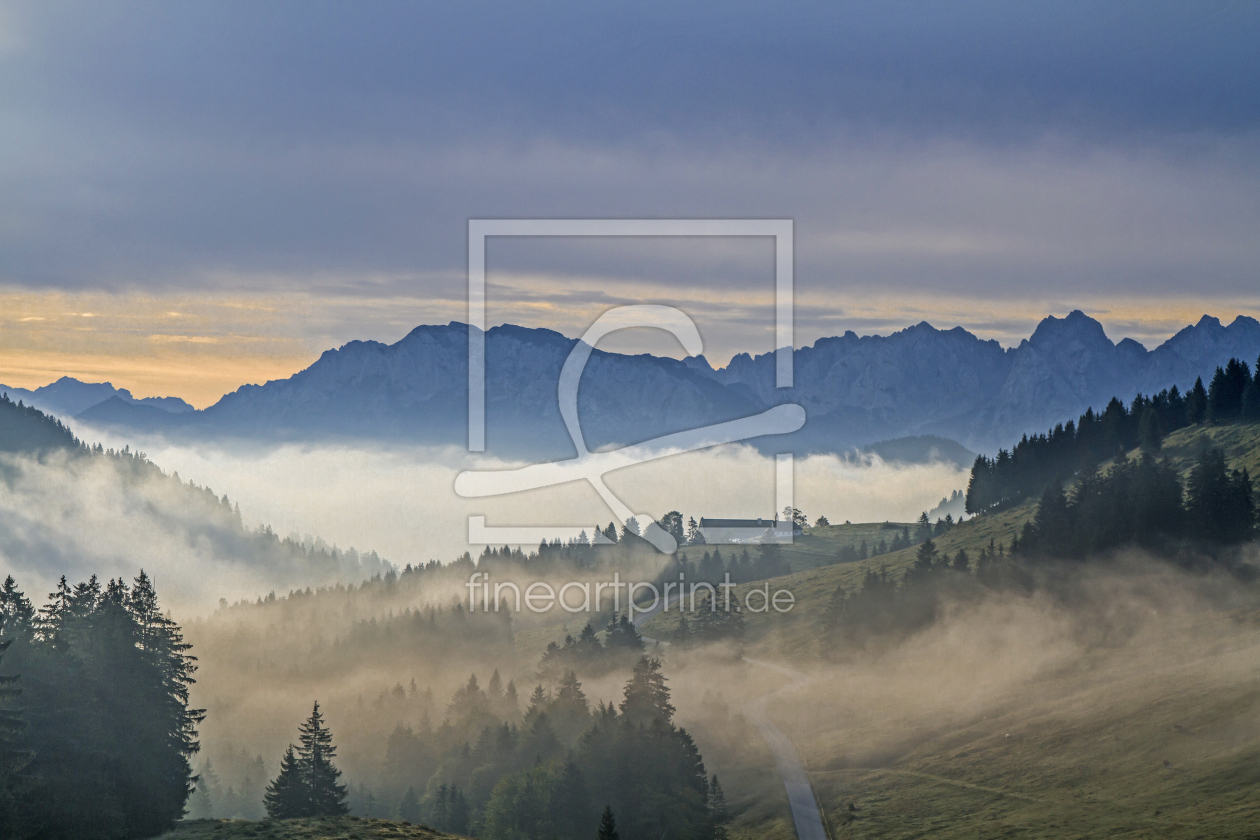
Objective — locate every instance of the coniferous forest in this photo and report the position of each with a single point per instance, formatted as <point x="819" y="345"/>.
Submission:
<point x="1101" y="488"/>
<point x="99" y="740"/>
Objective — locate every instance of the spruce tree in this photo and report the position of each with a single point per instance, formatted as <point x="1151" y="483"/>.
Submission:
<point x="923" y="528"/>
<point x="16" y="612"/>
<point x="288" y="795"/>
<point x="608" y="825"/>
<point x="1150" y="435"/>
<point x="327" y="796"/>
<point x="1197" y="402"/>
<point x="646" y="696"/>
<point x="924" y="559"/>
<point x="409" y="808"/>
<point x="1251" y="396"/>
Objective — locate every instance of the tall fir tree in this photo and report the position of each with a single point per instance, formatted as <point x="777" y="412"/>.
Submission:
<point x="608" y="825"/>
<point x="1197" y="402"/>
<point x="1251" y="396"/>
<point x="327" y="795"/>
<point x="646" y="695"/>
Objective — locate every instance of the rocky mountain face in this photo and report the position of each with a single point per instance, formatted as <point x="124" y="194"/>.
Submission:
<point x="856" y="390"/>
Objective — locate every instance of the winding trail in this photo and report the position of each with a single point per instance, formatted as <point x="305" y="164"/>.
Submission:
<point x="805" y="814"/>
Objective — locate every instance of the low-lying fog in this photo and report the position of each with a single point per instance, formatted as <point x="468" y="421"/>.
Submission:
<point x="401" y="503"/>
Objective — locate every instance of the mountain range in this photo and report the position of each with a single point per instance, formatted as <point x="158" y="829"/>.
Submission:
<point x="68" y="397"/>
<point x="856" y="390"/>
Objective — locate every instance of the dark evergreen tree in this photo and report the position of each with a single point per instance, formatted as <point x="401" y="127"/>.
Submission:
<point x="1225" y="395"/>
<point x="694" y="537"/>
<point x="923" y="528"/>
<point x="925" y="558"/>
<point x="1220" y="506"/>
<point x="288" y="795"/>
<point x="439" y="814"/>
<point x="1197" y="402"/>
<point x="16" y="613"/>
<point x="646" y="695"/>
<point x="1150" y="435"/>
<point x="108" y="725"/>
<point x="327" y="795"/>
<point x="1251" y="396"/>
<point x="608" y="825"/>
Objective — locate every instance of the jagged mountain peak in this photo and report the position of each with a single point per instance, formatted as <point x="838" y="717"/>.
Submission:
<point x="1244" y="322"/>
<point x="1075" y="326"/>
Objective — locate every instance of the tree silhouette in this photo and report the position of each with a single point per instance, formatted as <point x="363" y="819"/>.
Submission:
<point x="608" y="825"/>
<point x="647" y="696"/>
<point x="327" y="796"/>
<point x="287" y="796"/>
<point x="307" y="785"/>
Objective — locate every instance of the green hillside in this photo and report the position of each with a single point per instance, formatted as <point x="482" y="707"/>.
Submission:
<point x="794" y="634"/>
<point x="313" y="828"/>
<point x="1239" y="441"/>
<point x="1156" y="747"/>
<point x="1151" y="739"/>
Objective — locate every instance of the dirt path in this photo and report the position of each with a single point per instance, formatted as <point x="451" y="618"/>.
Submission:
<point x="805" y="814"/>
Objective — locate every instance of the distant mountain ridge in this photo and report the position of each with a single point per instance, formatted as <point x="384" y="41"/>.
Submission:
<point x="856" y="390"/>
<point x="68" y="397"/>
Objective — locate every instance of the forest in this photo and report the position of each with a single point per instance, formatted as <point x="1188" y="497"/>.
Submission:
<point x="99" y="733"/>
<point x="1095" y="500"/>
<point x="1079" y="446"/>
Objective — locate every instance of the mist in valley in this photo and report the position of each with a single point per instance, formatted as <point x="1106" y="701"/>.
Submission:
<point x="401" y="503"/>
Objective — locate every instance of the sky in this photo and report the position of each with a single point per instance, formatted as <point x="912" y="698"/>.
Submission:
<point x="198" y="195"/>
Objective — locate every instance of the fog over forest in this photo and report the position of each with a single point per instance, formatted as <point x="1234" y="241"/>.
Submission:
<point x="400" y="502"/>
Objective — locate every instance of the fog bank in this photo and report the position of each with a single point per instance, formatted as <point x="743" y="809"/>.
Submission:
<point x="401" y="501"/>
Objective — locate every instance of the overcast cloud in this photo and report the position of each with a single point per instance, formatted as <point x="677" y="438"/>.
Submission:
<point x="1051" y="156"/>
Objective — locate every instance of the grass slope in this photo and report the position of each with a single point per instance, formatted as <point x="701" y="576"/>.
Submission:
<point x="794" y="634"/>
<point x="1161" y="749"/>
<point x="313" y="828"/>
<point x="1239" y="441"/>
